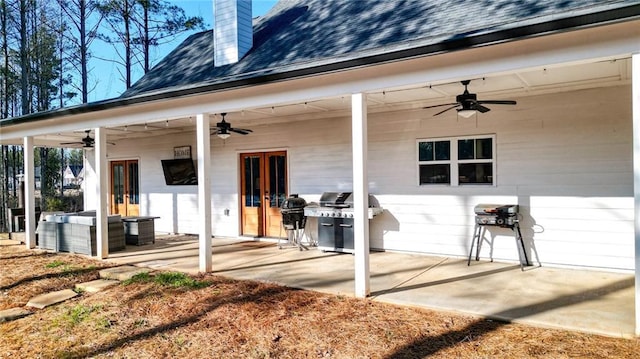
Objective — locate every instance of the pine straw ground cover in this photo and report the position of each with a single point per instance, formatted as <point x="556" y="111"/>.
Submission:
<point x="170" y="315"/>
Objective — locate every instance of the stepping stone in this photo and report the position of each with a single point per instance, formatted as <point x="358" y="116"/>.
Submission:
<point x="19" y="237"/>
<point x="97" y="285"/>
<point x="122" y="273"/>
<point x="9" y="242"/>
<point x="45" y="300"/>
<point x="8" y="315"/>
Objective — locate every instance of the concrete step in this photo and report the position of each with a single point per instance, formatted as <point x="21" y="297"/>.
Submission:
<point x="122" y="273"/>
<point x="8" y="315"/>
<point x="48" y="299"/>
<point x="97" y="285"/>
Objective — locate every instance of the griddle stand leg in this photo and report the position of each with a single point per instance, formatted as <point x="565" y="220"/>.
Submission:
<point x="520" y="241"/>
<point x="477" y="237"/>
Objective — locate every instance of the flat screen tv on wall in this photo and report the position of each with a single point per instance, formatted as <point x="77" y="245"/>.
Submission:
<point x="179" y="172"/>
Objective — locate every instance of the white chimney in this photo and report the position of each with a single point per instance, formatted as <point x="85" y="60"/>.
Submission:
<point x="232" y="30"/>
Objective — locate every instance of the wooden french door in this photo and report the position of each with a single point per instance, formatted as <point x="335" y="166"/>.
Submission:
<point x="263" y="188"/>
<point x="125" y="188"/>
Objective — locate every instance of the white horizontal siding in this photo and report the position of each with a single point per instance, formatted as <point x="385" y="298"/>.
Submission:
<point x="564" y="158"/>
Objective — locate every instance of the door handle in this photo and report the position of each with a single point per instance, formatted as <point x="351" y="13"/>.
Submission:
<point x="326" y="224"/>
<point x="345" y="225"/>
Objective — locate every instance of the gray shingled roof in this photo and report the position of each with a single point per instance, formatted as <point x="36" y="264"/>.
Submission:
<point x="299" y="34"/>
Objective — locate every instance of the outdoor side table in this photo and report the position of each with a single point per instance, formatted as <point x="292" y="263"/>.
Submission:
<point x="139" y="230"/>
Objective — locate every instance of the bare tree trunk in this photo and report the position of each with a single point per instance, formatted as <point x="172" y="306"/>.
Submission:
<point x="127" y="44"/>
<point x="4" y="112"/>
<point x="83" y="50"/>
<point x="145" y="41"/>
<point x="61" y="65"/>
<point x="24" y="58"/>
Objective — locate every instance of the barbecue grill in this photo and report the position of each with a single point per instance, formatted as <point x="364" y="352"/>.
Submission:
<point x="335" y="220"/>
<point x="497" y="215"/>
<point x="293" y="219"/>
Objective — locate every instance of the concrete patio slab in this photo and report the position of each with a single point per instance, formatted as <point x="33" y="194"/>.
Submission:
<point x="45" y="300"/>
<point x="97" y="285"/>
<point x="582" y="300"/>
<point x="122" y="273"/>
<point x="8" y="315"/>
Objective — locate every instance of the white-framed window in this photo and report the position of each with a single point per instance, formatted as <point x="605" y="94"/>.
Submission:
<point x="457" y="161"/>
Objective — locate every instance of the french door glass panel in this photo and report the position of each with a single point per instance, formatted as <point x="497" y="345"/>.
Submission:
<point x="252" y="181"/>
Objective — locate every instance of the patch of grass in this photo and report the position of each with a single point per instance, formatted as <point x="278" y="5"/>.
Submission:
<point x="104" y="323"/>
<point x="168" y="279"/>
<point x="175" y="279"/>
<point x="79" y="290"/>
<point x="55" y="264"/>
<point x="143" y="277"/>
<point x="79" y="313"/>
<point x="141" y="323"/>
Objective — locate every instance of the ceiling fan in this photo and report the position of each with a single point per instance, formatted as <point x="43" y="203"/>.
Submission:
<point x="467" y="103"/>
<point x="86" y="142"/>
<point x="223" y="129"/>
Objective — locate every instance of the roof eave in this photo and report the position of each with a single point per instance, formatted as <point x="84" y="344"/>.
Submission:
<point x="455" y="44"/>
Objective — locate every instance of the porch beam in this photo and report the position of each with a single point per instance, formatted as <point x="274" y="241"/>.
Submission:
<point x="102" y="185"/>
<point x="204" y="192"/>
<point x="635" y="99"/>
<point x="360" y="193"/>
<point x="29" y="193"/>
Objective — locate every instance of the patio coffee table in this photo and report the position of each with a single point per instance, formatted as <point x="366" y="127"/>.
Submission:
<point x="139" y="230"/>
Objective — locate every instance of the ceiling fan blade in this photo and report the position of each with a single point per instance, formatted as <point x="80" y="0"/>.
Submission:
<point x="444" y="104"/>
<point x="242" y="131"/>
<point x="498" y="102"/>
<point x="481" y="108"/>
<point x="443" y="111"/>
<point x="72" y="143"/>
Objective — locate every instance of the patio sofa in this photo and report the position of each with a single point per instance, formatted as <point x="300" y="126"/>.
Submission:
<point x="76" y="232"/>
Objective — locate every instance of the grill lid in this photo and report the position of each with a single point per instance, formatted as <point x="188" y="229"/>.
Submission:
<point x="496" y="209"/>
<point x="336" y="199"/>
<point x="294" y="202"/>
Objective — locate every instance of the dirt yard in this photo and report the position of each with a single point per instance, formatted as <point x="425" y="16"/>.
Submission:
<point x="170" y="315"/>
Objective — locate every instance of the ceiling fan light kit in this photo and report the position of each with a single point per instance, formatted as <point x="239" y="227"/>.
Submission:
<point x="466" y="113"/>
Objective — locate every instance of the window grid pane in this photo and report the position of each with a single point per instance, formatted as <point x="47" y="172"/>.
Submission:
<point x="443" y="150"/>
<point x="425" y="151"/>
<point x="440" y="173"/>
<point x="475" y="173"/>
<point x="465" y="150"/>
<point x="484" y="148"/>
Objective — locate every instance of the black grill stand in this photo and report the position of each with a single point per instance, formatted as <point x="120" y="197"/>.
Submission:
<point x="294" y="236"/>
<point x="478" y="235"/>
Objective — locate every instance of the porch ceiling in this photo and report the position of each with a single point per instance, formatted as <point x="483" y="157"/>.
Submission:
<point x="601" y="73"/>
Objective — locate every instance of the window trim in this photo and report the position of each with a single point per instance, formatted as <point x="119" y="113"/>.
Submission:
<point x="453" y="162"/>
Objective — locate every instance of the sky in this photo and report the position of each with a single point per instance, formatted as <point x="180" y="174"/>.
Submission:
<point x="107" y="74"/>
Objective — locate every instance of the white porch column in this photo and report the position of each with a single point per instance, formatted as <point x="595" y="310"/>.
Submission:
<point x="360" y="193"/>
<point x="29" y="194"/>
<point x="102" y="186"/>
<point x="204" y="192"/>
<point x="635" y="99"/>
